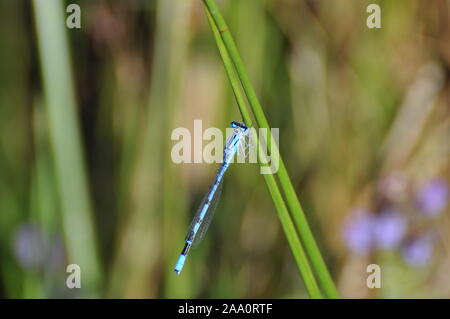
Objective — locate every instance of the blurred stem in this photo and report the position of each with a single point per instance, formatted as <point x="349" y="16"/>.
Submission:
<point x="234" y="81"/>
<point x="65" y="138"/>
<point x="175" y="22"/>
<point x="286" y="222"/>
<point x="156" y="218"/>
<point x="294" y="205"/>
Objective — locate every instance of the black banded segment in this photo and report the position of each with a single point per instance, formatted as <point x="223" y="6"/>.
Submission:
<point x="186" y="248"/>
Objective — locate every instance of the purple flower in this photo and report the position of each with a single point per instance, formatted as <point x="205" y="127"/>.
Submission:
<point x="418" y="251"/>
<point x="433" y="197"/>
<point x="389" y="229"/>
<point x="30" y="246"/>
<point x="393" y="186"/>
<point x="358" y="233"/>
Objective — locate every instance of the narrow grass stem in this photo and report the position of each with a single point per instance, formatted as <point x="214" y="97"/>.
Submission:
<point x="286" y="222"/>
<point x="297" y="213"/>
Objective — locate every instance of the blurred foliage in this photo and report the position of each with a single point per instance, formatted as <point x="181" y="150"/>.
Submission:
<point x="356" y="107"/>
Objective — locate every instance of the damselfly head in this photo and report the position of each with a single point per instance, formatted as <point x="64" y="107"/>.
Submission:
<point x="244" y="136"/>
<point x="238" y="124"/>
<point x="240" y="127"/>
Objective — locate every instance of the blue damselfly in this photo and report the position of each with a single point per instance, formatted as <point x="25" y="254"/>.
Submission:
<point x="203" y="218"/>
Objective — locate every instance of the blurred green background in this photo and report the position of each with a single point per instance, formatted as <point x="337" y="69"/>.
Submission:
<point x="86" y="175"/>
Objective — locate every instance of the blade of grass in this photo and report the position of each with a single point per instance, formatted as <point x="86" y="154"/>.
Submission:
<point x="232" y="76"/>
<point x="66" y="144"/>
<point x="286" y="222"/>
<point x="294" y="205"/>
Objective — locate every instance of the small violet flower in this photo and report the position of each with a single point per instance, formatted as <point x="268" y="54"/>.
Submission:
<point x="29" y="246"/>
<point x="418" y="251"/>
<point x="433" y="197"/>
<point x="389" y="229"/>
<point x="358" y="233"/>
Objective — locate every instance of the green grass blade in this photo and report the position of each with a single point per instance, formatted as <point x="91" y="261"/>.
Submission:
<point x="286" y="222"/>
<point x="294" y="205"/>
<point x="232" y="76"/>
